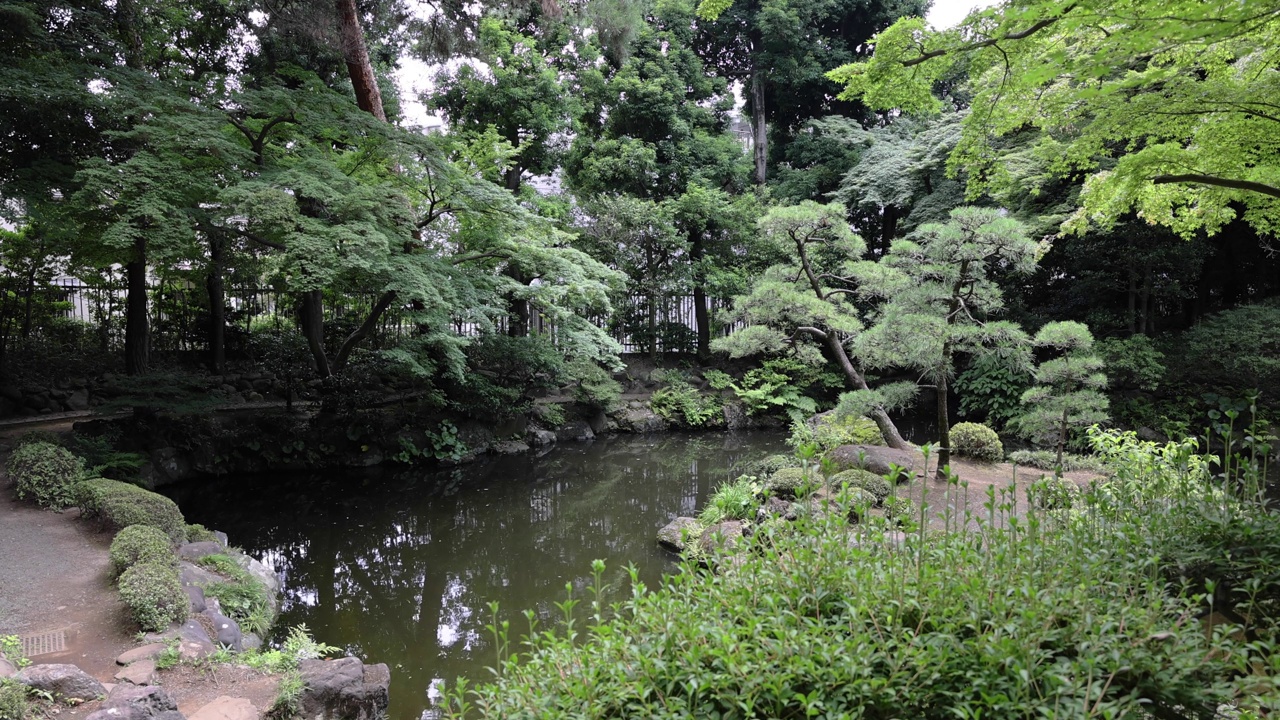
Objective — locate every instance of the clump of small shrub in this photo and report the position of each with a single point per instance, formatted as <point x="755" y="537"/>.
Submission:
<point x="683" y="405"/>
<point x="898" y="509"/>
<point x="791" y="482"/>
<point x="153" y="592"/>
<point x="45" y="473"/>
<point x="735" y="500"/>
<point x="1047" y="460"/>
<point x="977" y="441"/>
<point x="1051" y="492"/>
<point x="241" y="596"/>
<point x="140" y="544"/>
<point x="831" y="430"/>
<point x="298" y="646"/>
<point x="199" y="533"/>
<point x="17" y="701"/>
<point x="877" y="486"/>
<point x="118" y="505"/>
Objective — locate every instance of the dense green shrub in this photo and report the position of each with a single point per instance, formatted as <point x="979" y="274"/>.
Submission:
<point x="791" y="482"/>
<point x="593" y="385"/>
<point x="866" y="480"/>
<point x="1064" y="622"/>
<point x="140" y="544"/>
<point x="118" y="505"/>
<point x="153" y="592"/>
<point x="1132" y="363"/>
<point x="991" y="388"/>
<point x="16" y="702"/>
<point x="767" y="466"/>
<point x="735" y="500"/>
<point x="199" y="533"/>
<point x="898" y="509"/>
<point x="830" y="430"/>
<point x="1047" y="460"/>
<point x="506" y="372"/>
<point x="1237" y="348"/>
<point x="976" y="441"/>
<point x="1051" y="492"/>
<point x="45" y="473"/>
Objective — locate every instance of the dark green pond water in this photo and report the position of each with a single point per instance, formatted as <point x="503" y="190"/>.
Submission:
<point x="400" y="566"/>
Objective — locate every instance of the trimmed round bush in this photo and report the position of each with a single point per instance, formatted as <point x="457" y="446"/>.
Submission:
<point x="1053" y="493"/>
<point x="977" y="441"/>
<point x="140" y="544"/>
<point x="766" y="467"/>
<point x="118" y="505"/>
<point x="866" y="480"/>
<point x="199" y="533"/>
<point x="790" y="481"/>
<point x="153" y="591"/>
<point x="45" y="473"/>
<point x="830" y="431"/>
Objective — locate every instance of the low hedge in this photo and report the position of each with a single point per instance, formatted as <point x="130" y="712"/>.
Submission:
<point x="877" y="486"/>
<point x="45" y="473"/>
<point x="153" y="591"/>
<point x="790" y="482"/>
<point x="140" y="544"/>
<point x="977" y="441"/>
<point x="118" y="505"/>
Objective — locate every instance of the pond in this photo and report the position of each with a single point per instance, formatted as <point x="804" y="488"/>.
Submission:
<point x="400" y="566"/>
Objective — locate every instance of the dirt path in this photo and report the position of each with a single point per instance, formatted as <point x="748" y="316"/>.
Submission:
<point x="54" y="578"/>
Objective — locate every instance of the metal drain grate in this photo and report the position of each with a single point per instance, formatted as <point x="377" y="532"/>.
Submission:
<point x="44" y="643"/>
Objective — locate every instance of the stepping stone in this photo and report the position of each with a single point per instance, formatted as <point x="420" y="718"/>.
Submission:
<point x="140" y="653"/>
<point x="227" y="708"/>
<point x="142" y="672"/>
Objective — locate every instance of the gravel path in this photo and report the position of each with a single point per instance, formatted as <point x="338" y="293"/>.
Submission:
<point x="54" y="576"/>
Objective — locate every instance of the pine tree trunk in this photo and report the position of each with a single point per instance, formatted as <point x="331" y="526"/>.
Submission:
<point x="877" y="413"/>
<point x="356" y="55"/>
<point x="217" y="308"/>
<point x="1062" y="442"/>
<point x="137" y="326"/>
<point x="759" y="125"/>
<point x="944" y="430"/>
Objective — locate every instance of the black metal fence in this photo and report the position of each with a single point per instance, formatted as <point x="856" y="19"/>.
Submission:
<point x="179" y="316"/>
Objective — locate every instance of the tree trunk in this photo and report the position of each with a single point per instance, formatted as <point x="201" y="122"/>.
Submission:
<point x="877" y="413"/>
<point x="653" y="327"/>
<point x="1133" y="301"/>
<point x="311" y="318"/>
<point x="759" y="126"/>
<point x="888" y="228"/>
<point x="366" y="327"/>
<point x="217" y="308"/>
<point x="356" y="55"/>
<point x="137" y="326"/>
<point x="701" y="315"/>
<point x="1062" y="443"/>
<point x="944" y="430"/>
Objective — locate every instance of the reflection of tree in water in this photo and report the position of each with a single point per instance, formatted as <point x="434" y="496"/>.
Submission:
<point x="402" y="566"/>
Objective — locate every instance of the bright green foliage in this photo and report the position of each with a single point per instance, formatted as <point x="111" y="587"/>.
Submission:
<point x="1053" y="492"/>
<point x="1068" y="390"/>
<point x="682" y="404"/>
<point x="595" y="386"/>
<point x="45" y="473"/>
<point x="1160" y="102"/>
<point x="898" y="509"/>
<point x="11" y="650"/>
<point x="118" y="505"/>
<point x="830" y="430"/>
<point x="140" y="544"/>
<point x="857" y="624"/>
<point x="939" y="297"/>
<point x="977" y="441"/>
<point x="16" y="702"/>
<point x="736" y="500"/>
<point x="992" y="387"/>
<point x="199" y="533"/>
<point x="766" y="389"/>
<point x="153" y="593"/>
<point x="872" y="483"/>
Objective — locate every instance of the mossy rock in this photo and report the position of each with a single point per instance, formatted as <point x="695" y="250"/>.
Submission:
<point x="45" y="473"/>
<point x="117" y="505"/>
<point x="877" y="486"/>
<point x="976" y="441"/>
<point x="140" y="544"/>
<point x="767" y="466"/>
<point x="153" y="592"/>
<point x="790" y="482"/>
<point x="199" y="533"/>
<point x="831" y="431"/>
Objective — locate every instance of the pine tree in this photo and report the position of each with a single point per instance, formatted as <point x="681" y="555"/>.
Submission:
<point x="1068" y="390"/>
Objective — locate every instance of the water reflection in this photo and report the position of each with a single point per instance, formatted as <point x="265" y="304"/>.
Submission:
<point x="399" y="567"/>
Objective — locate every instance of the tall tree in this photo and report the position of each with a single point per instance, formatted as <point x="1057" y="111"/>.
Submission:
<point x="1068" y="390"/>
<point x="1166" y="106"/>
<point x="805" y="305"/>
<point x="938" y="298"/>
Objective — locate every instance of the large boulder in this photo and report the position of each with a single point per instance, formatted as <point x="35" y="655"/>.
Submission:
<point x="7" y="669"/>
<point x="197" y="550"/>
<point x="141" y="672"/>
<point x="678" y="533"/>
<point x="137" y="702"/>
<point x="143" y="652"/>
<point x="344" y="689"/>
<point x="226" y="707"/>
<point x="877" y="459"/>
<point x="577" y="430"/>
<point x="725" y="535"/>
<point x="227" y="631"/>
<point x="65" y="682"/>
<point x="640" y="420"/>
